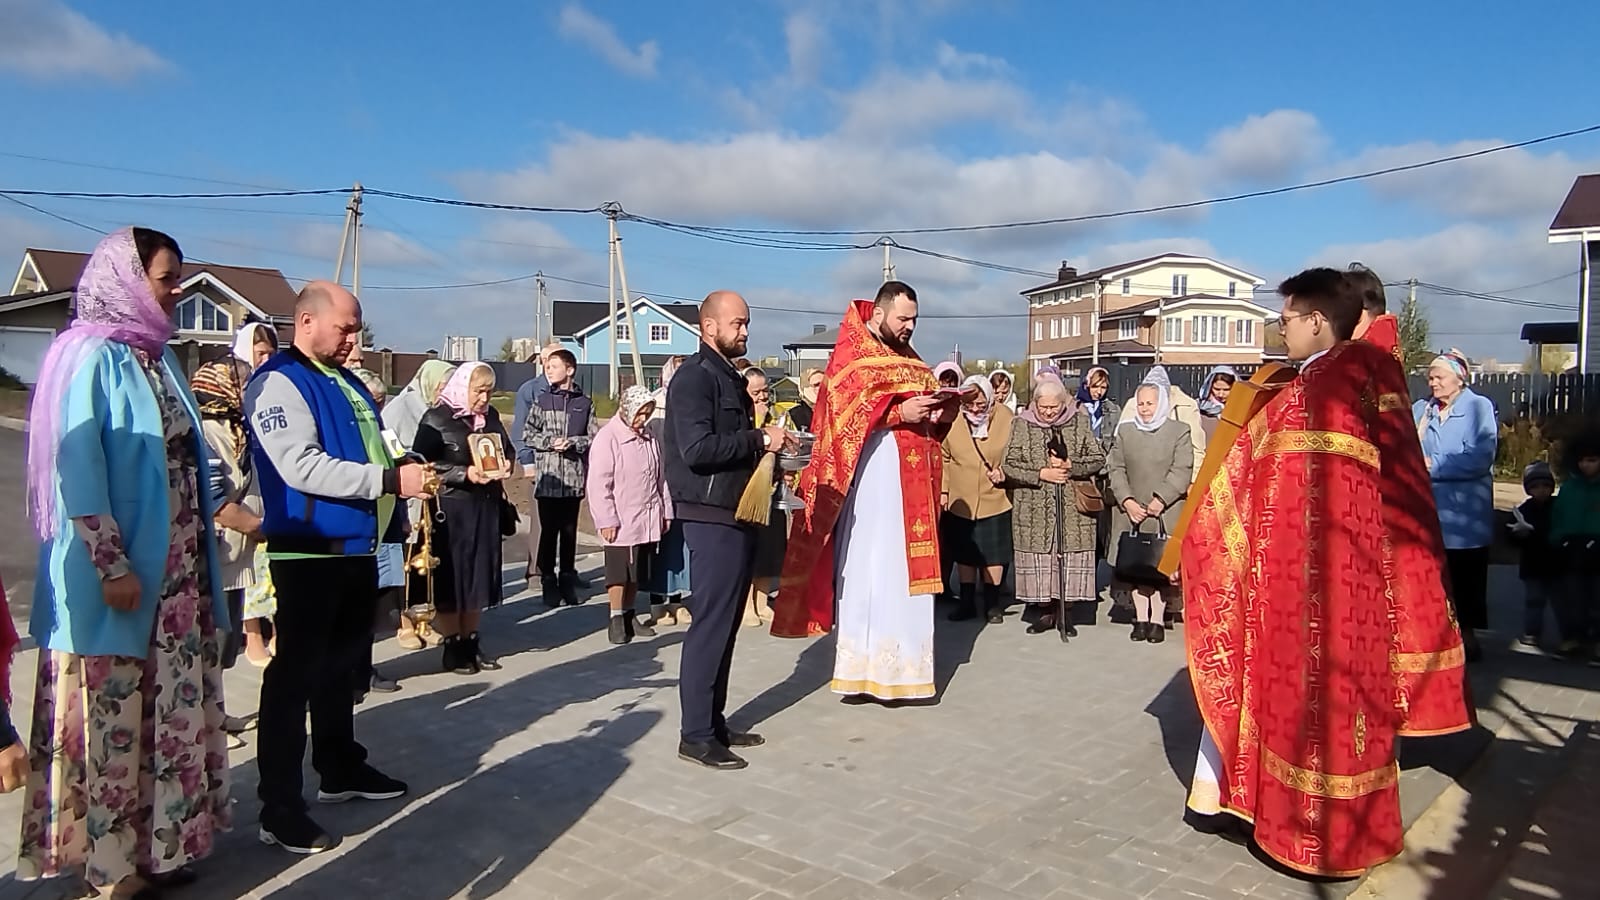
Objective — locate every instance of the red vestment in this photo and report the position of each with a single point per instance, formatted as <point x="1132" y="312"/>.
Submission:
<point x="865" y="382"/>
<point x="1384" y="333"/>
<point x="1316" y="621"/>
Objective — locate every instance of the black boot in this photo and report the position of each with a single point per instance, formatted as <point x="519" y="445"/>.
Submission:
<point x="551" y="591"/>
<point x="455" y="657"/>
<point x="1157" y="634"/>
<point x="569" y="588"/>
<point x="617" y="629"/>
<point x="1141" y="630"/>
<point x="637" y="628"/>
<point x="482" y="660"/>
<point x="1067" y="627"/>
<point x="991" y="604"/>
<point x="967" y="607"/>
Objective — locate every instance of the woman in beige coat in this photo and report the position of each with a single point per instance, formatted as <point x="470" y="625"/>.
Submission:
<point x="976" y="498"/>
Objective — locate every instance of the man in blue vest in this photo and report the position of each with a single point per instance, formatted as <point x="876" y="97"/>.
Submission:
<point x="329" y="485"/>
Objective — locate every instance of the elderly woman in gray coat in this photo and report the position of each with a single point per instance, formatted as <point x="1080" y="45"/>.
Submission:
<point x="1150" y="467"/>
<point x="1051" y="446"/>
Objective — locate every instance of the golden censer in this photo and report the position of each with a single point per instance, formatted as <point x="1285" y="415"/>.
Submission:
<point x="421" y="558"/>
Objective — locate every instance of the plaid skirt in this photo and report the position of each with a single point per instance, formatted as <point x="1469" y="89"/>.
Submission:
<point x="1039" y="574"/>
<point x="982" y="542"/>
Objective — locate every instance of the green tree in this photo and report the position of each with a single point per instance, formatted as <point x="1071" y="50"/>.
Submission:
<point x="368" y="337"/>
<point x="508" y="351"/>
<point x="1551" y="359"/>
<point x="1414" y="328"/>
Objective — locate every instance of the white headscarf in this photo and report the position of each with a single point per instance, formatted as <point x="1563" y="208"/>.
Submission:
<point x="1157" y="378"/>
<point x="980" y="423"/>
<point x="1011" y="395"/>
<point x="244" y="343"/>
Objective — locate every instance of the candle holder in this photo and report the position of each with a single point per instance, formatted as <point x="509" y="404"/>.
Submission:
<point x="794" y="461"/>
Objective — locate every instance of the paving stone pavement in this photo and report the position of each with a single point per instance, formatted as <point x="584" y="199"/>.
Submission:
<point x="1045" y="772"/>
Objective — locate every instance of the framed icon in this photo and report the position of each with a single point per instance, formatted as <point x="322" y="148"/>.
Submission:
<point x="488" y="455"/>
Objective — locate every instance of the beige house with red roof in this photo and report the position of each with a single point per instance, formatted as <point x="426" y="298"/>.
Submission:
<point x="217" y="301"/>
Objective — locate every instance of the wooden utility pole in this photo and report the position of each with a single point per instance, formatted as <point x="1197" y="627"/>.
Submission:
<point x="618" y="272"/>
<point x="350" y="239"/>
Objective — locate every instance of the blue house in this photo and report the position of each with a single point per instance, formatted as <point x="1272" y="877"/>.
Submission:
<point x="663" y="331"/>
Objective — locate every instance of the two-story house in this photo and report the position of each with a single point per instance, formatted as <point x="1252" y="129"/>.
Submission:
<point x="1173" y="307"/>
<point x="663" y="331"/>
<point x="217" y="301"/>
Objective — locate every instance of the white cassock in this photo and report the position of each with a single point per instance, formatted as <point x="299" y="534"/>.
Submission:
<point x="885" y="635"/>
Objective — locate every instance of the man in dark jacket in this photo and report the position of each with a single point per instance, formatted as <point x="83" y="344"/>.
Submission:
<point x="710" y="447"/>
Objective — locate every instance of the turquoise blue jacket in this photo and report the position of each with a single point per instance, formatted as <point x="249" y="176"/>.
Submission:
<point x="113" y="462"/>
<point x="1461" y="447"/>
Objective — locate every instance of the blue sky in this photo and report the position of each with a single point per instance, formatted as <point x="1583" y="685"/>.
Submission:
<point x="871" y="114"/>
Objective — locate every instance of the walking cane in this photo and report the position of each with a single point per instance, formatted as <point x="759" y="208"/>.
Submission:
<point x="1052" y="446"/>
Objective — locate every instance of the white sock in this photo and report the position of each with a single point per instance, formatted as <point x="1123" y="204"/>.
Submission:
<point x="617" y="612"/>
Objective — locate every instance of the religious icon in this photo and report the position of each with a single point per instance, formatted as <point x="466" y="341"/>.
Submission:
<point x="488" y="456"/>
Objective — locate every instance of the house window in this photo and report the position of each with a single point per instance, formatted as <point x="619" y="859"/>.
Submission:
<point x="1077" y="326"/>
<point x="1172" y="330"/>
<point x="1127" y="286"/>
<point x="199" y="313"/>
<point x="624" y="333"/>
<point x="1128" y="329"/>
<point x="1055" y="328"/>
<point x="1077" y="292"/>
<point x="1180" y="285"/>
<point x="1233" y="289"/>
<point x="660" y="334"/>
<point x="1208" y="330"/>
<point x="1244" y="332"/>
<point x="1038" y="330"/>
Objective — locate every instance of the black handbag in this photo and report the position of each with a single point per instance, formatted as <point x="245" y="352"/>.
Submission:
<point x="508" y="515"/>
<point x="1139" y="558"/>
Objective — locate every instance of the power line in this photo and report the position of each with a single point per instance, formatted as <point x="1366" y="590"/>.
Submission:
<point x="129" y="195"/>
<point x="56" y="216"/>
<point x="104" y="168"/>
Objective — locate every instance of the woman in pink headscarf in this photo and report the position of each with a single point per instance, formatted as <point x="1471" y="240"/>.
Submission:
<point x="130" y="765"/>
<point x="472" y="502"/>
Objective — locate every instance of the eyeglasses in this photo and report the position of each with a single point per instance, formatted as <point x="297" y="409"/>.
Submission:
<point x="1283" y="320"/>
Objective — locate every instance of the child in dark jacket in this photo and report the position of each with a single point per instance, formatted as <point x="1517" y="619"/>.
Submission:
<point x="1575" y="531"/>
<point x="1540" y="568"/>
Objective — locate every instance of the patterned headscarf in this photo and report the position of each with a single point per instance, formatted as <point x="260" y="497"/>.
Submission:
<point x="1454" y="361"/>
<point x="979" y="421"/>
<point x="114" y="303"/>
<point x="634" y="398"/>
<point x="455" y="395"/>
<point x="219" y="391"/>
<point x="1157" y="378"/>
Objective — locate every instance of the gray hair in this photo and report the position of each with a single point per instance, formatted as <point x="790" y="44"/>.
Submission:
<point x="373" y="383"/>
<point x="1048" y="388"/>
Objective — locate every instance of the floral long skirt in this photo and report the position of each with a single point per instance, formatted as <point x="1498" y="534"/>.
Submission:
<point x="130" y="763"/>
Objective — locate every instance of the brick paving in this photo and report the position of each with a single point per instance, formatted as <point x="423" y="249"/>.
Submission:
<point x="1044" y="772"/>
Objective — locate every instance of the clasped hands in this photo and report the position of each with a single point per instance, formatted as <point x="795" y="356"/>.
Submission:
<point x="1137" y="514"/>
<point x="1057" y="471"/>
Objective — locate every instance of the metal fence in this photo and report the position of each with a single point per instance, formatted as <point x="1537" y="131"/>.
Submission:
<point x="1515" y="396"/>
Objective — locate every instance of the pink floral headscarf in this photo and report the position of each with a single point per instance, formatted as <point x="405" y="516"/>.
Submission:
<point x="114" y="303"/>
<point x="455" y="393"/>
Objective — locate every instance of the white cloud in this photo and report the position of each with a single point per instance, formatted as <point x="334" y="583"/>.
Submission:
<point x="1502" y="185"/>
<point x="18" y="234"/>
<point x="897" y="103"/>
<point x="948" y="57"/>
<point x="45" y="39"/>
<point x="806" y="40"/>
<point x="379" y="248"/>
<point x="1266" y="147"/>
<point x="599" y="35"/>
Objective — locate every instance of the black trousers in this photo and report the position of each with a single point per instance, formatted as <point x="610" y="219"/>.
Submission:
<point x="721" y="558"/>
<point x="558" y="533"/>
<point x="1469" y="586"/>
<point x="324" y="629"/>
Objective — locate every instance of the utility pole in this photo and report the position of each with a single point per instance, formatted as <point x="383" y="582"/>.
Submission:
<point x="1094" y="326"/>
<point x="619" y="273"/>
<point x="351" y="238"/>
<point x="888" y="264"/>
<point x="539" y="301"/>
<point x="1160" y="327"/>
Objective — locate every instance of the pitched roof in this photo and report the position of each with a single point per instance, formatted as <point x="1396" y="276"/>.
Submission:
<point x="816" y="339"/>
<point x="1581" y="209"/>
<point x="1102" y="272"/>
<point x="1151" y="306"/>
<point x="266" y="289"/>
<point x="568" y="317"/>
<point x="1110" y="348"/>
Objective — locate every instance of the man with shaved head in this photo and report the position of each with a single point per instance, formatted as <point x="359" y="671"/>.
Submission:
<point x="710" y="447"/>
<point x="328" y="492"/>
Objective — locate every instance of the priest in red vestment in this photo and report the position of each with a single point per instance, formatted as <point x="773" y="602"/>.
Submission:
<point x="1377" y="326"/>
<point x="868" y="537"/>
<point x="1316" y="622"/>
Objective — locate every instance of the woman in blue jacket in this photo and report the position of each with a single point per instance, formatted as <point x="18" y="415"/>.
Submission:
<point x="1459" y="439"/>
<point x="129" y="759"/>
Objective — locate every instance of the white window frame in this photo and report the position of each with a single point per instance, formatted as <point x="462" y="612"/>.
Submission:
<point x="624" y="333"/>
<point x="1172" y="330"/>
<point x="665" y="332"/>
<point x="1208" y="329"/>
<point x="1127" y="287"/>
<point x="1055" y="328"/>
<point x="193" y="309"/>
<point x="1180" y="285"/>
<point x="1244" y="332"/>
<point x="1128" y="329"/>
<point x="1038" y="330"/>
<point x="1233" y="289"/>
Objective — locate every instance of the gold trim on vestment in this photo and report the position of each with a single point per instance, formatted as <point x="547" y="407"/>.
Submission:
<point x="1391" y="402"/>
<point x="883" y="691"/>
<point x="1428" y="661"/>
<point x="1322" y="784"/>
<point x="1319" y="442"/>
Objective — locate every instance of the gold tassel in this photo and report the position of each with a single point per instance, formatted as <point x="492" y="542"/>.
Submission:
<point x="755" y="504"/>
